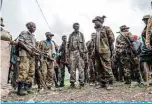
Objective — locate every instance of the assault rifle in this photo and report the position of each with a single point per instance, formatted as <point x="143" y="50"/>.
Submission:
<point x="33" y="51"/>
<point x="129" y="44"/>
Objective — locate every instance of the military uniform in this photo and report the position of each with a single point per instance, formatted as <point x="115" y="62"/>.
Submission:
<point x="104" y="40"/>
<point x="63" y="62"/>
<point x="91" y="60"/>
<point x="47" y="65"/>
<point x="124" y="53"/>
<point x="76" y="49"/>
<point x="27" y="62"/>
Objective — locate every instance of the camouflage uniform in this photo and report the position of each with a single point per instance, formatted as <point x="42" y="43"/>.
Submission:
<point x="47" y="65"/>
<point x="63" y="62"/>
<point x="76" y="49"/>
<point x="27" y="62"/>
<point x="104" y="40"/>
<point x="124" y="53"/>
<point x="91" y="61"/>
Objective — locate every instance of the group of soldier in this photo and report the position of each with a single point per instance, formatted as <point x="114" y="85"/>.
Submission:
<point x="98" y="61"/>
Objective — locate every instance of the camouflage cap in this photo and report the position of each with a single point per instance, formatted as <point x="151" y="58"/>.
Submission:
<point x="146" y="17"/>
<point x="98" y="18"/>
<point x="2" y="22"/>
<point x="49" y="33"/>
<point x="123" y="27"/>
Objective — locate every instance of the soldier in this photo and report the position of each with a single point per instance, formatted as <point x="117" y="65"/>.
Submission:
<point x="63" y="60"/>
<point x="48" y="46"/>
<point x="104" y="40"/>
<point x="27" y="60"/>
<point x="76" y="51"/>
<point x="125" y="53"/>
<point x="91" y="59"/>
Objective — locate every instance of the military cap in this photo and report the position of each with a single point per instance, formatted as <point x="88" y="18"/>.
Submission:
<point x="2" y="22"/>
<point x="98" y="18"/>
<point x="123" y="27"/>
<point x="49" y="33"/>
<point x="146" y="17"/>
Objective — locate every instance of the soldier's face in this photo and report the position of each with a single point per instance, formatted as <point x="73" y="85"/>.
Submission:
<point x="48" y="37"/>
<point x="145" y="21"/>
<point x="32" y="28"/>
<point x="76" y="27"/>
<point x="64" y="39"/>
<point x="98" y="23"/>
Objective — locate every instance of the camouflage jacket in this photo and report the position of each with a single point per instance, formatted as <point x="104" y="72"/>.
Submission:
<point x="104" y="40"/>
<point x="121" y="43"/>
<point x="90" y="47"/>
<point x="49" y="50"/>
<point x="27" y="38"/>
<point x="149" y="31"/>
<point x="76" y="42"/>
<point x="63" y="51"/>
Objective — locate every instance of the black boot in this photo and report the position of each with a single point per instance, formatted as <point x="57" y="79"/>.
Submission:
<point x="128" y="80"/>
<point x="62" y="84"/>
<point x="72" y="85"/>
<point x="21" y="91"/>
<point x="28" y="88"/>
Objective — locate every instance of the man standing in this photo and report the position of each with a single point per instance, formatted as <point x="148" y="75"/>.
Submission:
<point x="76" y="51"/>
<point x="125" y="53"/>
<point x="48" y="46"/>
<point x="91" y="59"/>
<point x="104" y="40"/>
<point x="63" y="60"/>
<point x="27" y="60"/>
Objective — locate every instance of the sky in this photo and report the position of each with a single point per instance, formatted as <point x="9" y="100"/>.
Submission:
<point x="61" y="14"/>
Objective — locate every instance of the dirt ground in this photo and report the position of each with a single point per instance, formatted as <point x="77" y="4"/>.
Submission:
<point x="120" y="93"/>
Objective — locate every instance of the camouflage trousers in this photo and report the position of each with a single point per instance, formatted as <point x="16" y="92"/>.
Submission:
<point x="26" y="69"/>
<point x="103" y="68"/>
<point x="92" y="72"/>
<point x="48" y="73"/>
<point x="76" y="62"/>
<point x="62" y="66"/>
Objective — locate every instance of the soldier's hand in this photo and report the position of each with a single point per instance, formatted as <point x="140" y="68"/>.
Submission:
<point x="148" y="46"/>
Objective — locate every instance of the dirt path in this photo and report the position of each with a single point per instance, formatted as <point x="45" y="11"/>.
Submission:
<point x="121" y="92"/>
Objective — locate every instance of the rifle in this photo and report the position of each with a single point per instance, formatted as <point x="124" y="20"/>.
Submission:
<point x="134" y="54"/>
<point x="129" y="43"/>
<point x="29" y="48"/>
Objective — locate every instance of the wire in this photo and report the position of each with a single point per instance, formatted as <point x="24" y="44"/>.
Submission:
<point x="43" y="15"/>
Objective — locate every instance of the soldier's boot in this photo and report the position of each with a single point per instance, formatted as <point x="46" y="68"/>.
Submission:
<point x="72" y="85"/>
<point x="28" y="88"/>
<point x="128" y="80"/>
<point x="81" y="85"/>
<point x="56" y="84"/>
<point x="109" y="86"/>
<point x="21" y="91"/>
<point x="62" y="84"/>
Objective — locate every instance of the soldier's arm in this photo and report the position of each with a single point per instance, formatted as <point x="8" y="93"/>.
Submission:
<point x="148" y="31"/>
<point x="84" y="45"/>
<point x="110" y="35"/>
